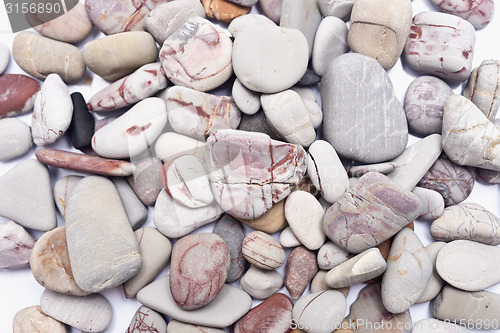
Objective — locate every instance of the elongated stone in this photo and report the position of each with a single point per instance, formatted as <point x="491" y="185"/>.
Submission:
<point x="370" y="213"/>
<point x="82" y="162"/>
<point x="246" y="100"/>
<point x="318" y="284"/>
<point x="320" y="312"/>
<point x="435" y="282"/>
<point x="483" y="87"/>
<point x="431" y="325"/>
<point x="62" y="191"/>
<point x="147" y="320"/>
<point x="15" y="246"/>
<point x="33" y="320"/>
<point x="102" y="248"/>
<point x="330" y="42"/>
<point x="177" y="326"/>
<point x="157" y="296"/>
<point x="478" y="12"/>
<point x="263" y="251"/>
<point x="82" y="123"/>
<point x="231" y="231"/>
<point x="142" y="83"/>
<point x="288" y="238"/>
<point x="200" y="114"/>
<point x="137" y="213"/>
<point x="91" y="313"/>
<point x="15" y="138"/>
<point x="331" y="255"/>
<point x="301" y="267"/>
<point x="249" y="172"/>
<point x="17" y="94"/>
<point x="432" y="203"/>
<point x="260" y="283"/>
<point x="145" y="180"/>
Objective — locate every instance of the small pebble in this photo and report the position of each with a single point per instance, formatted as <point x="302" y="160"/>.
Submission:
<point x="331" y="255"/>
<point x="315" y="112"/>
<point x="4" y="57"/>
<point x="62" y="191"/>
<point x="338" y="8"/>
<point x="17" y="94"/>
<point x="170" y="145"/>
<point x="435" y="282"/>
<point x="145" y="180"/>
<point x="81" y="128"/>
<point x="224" y="10"/>
<point x="288" y="238"/>
<point x="15" y="246"/>
<point x="257" y="123"/>
<point x="246" y="100"/>
<point x="263" y="251"/>
<point x="478" y="12"/>
<point x="147" y="320"/>
<point x="260" y="283"/>
<point x="33" y="320"/>
<point x="432" y="203"/>
<point x="330" y="42"/>
<point x="483" y="87"/>
<point x="15" y="138"/>
<point x="300" y="269"/>
<point x="137" y="213"/>
<point x="272" y="221"/>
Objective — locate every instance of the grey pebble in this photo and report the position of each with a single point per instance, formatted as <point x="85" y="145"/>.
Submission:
<point x="338" y="8"/>
<point x="331" y="255"/>
<point x="260" y="283"/>
<point x="137" y="213"/>
<point x="145" y="180"/>
<point x="246" y="100"/>
<point x="483" y="87"/>
<point x="15" y="138"/>
<point x="435" y="282"/>
<point x="257" y="123"/>
<point x="330" y="42"/>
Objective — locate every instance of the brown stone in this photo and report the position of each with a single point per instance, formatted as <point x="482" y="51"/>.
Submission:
<point x="223" y="10"/>
<point x="301" y="268"/>
<point x="272" y="221"/>
<point x="33" y="320"/>
<point x="272" y="315"/>
<point x="17" y="94"/>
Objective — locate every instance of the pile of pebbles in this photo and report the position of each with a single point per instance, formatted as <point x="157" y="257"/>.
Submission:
<point x="190" y="154"/>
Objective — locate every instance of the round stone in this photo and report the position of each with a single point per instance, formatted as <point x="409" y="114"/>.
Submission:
<point x="15" y="138"/>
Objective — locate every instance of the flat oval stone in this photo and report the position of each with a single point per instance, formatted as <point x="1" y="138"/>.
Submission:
<point x="50" y="263"/>
<point x="483" y="87"/>
<point x="177" y="326"/>
<point x="175" y="220"/>
<point x="52" y="111"/>
<point x="33" y="320"/>
<point x="257" y="123"/>
<point x="241" y="22"/>
<point x="367" y="132"/>
<point x="431" y="325"/>
<point x="424" y="103"/>
<point x="379" y="29"/>
<point x="432" y="203"/>
<point x="182" y="63"/>
<point x="272" y="9"/>
<point x="17" y="94"/>
<point x="272" y="221"/>
<point x="15" y="246"/>
<point x="260" y="283"/>
<point x="198" y="269"/>
<point x="272" y="315"/>
<point x="157" y="296"/>
<point x="133" y="132"/>
<point x="91" y="313"/>
<point x="147" y="320"/>
<point x="320" y="312"/>
<point x="300" y="269"/>
<point x="246" y="100"/>
<point x="279" y="67"/>
<point x="102" y="248"/>
<point x="479" y="13"/>
<point x="263" y="251"/>
<point x="82" y="123"/>
<point x="15" y="138"/>
<point x="330" y="42"/>
<point x="435" y="283"/>
<point x="165" y="19"/>
<point x="155" y="252"/>
<point x="424" y="51"/>
<point x="288" y="238"/>
<point x="331" y="255"/>
<point x="232" y="232"/>
<point x="170" y="145"/>
<point x="467" y="221"/>
<point x="113" y="57"/>
<point x="224" y="10"/>
<point x="452" y="181"/>
<point x="198" y="114"/>
<point x="145" y="180"/>
<point x="480" y="309"/>
<point x="4" y="57"/>
<point x="370" y="213"/>
<point x="137" y="213"/>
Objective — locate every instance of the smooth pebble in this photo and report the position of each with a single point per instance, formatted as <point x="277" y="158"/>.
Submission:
<point x="288" y="238"/>
<point x="483" y="87"/>
<point x="432" y="203"/>
<point x="260" y="283"/>
<point x="33" y="320"/>
<point x="17" y="94"/>
<point x="331" y="255"/>
<point x="15" y="246"/>
<point x="15" y="138"/>
<point x="4" y="57"/>
<point x="338" y="8"/>
<point x="81" y="128"/>
<point x="435" y="283"/>
<point x="330" y="42"/>
<point x="301" y="267"/>
<point x="263" y="251"/>
<point x="246" y="100"/>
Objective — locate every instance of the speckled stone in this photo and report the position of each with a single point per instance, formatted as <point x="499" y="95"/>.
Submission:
<point x="260" y="283"/>
<point x="15" y="246"/>
<point x="147" y="320"/>
<point x="33" y="320"/>
<point x="263" y="251"/>
<point x="301" y="268"/>
<point x="17" y="94"/>
<point x="15" y="138"/>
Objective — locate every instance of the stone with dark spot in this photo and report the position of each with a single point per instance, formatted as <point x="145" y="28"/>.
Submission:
<point x="301" y="268"/>
<point x="256" y="123"/>
<point x="17" y="94"/>
<point x="82" y="124"/>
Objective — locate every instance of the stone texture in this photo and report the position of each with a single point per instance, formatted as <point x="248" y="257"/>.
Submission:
<point x="147" y="320"/>
<point x="4" y="57"/>
<point x="432" y="203"/>
<point x="246" y="100"/>
<point x="272" y="221"/>
<point x="288" y="238"/>
<point x="63" y="188"/>
<point x="17" y="94"/>
<point x="15" y="138"/>
<point x="318" y="284"/>
<point x="330" y="42"/>
<point x="177" y="326"/>
<point x="368" y="132"/>
<point x="170" y="145"/>
<point x="483" y="87"/>
<point x="81" y="128"/>
<point x="300" y="269"/>
<point x="257" y="123"/>
<point x="145" y="180"/>
<point x="137" y="213"/>
<point x="33" y="320"/>
<point x="435" y="282"/>
<point x="15" y="246"/>
<point x="40" y="56"/>
<point x="224" y="10"/>
<point x="331" y="255"/>
<point x="338" y="8"/>
<point x="263" y="251"/>
<point x="431" y="325"/>
<point x="102" y="248"/>
<point x="272" y="9"/>
<point x="478" y="12"/>
<point x="260" y="283"/>
<point x="248" y="20"/>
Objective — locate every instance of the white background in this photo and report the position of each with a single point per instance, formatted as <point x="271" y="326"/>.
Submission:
<point x="18" y="289"/>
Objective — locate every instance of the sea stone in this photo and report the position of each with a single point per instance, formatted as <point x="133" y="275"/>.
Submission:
<point x="15" y="138"/>
<point x="252" y="170"/>
<point x="331" y="255"/>
<point x="338" y="8"/>
<point x="102" y="248"/>
<point x="409" y="268"/>
<point x="452" y="181"/>
<point x="379" y="29"/>
<point x="248" y="20"/>
<point x="113" y="57"/>
<point x="246" y="100"/>
<point x="257" y="123"/>
<point x="474" y="308"/>
<point x="52" y="112"/>
<point x="17" y="94"/>
<point x="16" y="245"/>
<point x="478" y="12"/>
<point x="177" y="326"/>
<point x="224" y="10"/>
<point x="349" y="83"/>
<point x="63" y="188"/>
<point x="145" y="180"/>
<point x="483" y="87"/>
<point x="171" y="145"/>
<point x="125" y="15"/>
<point x="424" y="102"/>
<point x="272" y="221"/>
<point x="147" y="320"/>
<point x="272" y="315"/>
<point x="198" y="114"/>
<point x="137" y="213"/>
<point x="33" y="320"/>
<point x="133" y="132"/>
<point x="91" y="313"/>
<point x="181" y="60"/>
<point x="300" y="269"/>
<point x="157" y="296"/>
<point x="26" y="196"/>
<point x="318" y="284"/>
<point x="432" y="203"/>
<point x="40" y="56"/>
<point x="81" y="128"/>
<point x="272" y="9"/>
<point x="231" y="231"/>
<point x="435" y="282"/>
<point x="175" y="220"/>
<point x="263" y="251"/>
<point x="330" y="42"/>
<point x="431" y="325"/>
<point x="320" y="312"/>
<point x="4" y="57"/>
<point x="441" y="44"/>
<point x="155" y="252"/>
<point x="288" y="238"/>
<point x="165" y="19"/>
<point x="260" y="283"/>
<point x="279" y="67"/>
<point x="370" y="213"/>
<point x="144" y="82"/>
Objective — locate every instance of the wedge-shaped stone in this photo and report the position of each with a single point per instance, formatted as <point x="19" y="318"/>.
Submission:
<point x="301" y="267"/>
<point x="137" y="213"/>
<point x="145" y="180"/>
<point x="102" y="248"/>
<point x="272" y="221"/>
<point x="15" y="246"/>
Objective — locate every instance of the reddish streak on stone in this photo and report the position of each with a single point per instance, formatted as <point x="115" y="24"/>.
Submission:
<point x="416" y="32"/>
<point x="15" y="91"/>
<point x="466" y="54"/>
<point x="199" y="109"/>
<point x="136" y="130"/>
<point x="140" y="324"/>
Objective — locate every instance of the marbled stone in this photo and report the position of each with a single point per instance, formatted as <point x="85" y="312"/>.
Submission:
<point x="272" y="315"/>
<point x="478" y="12"/>
<point x="331" y="255"/>
<point x="263" y="251"/>
<point x="113" y="57"/>
<point x="137" y="213"/>
<point x="432" y="203"/>
<point x="199" y="114"/>
<point x="17" y="94"/>
<point x="320" y="312"/>
<point x="288" y="238"/>
<point x="483" y="87"/>
<point x="424" y="102"/>
<point x="330" y="42"/>
<point x="102" y="248"/>
<point x="246" y="100"/>
<point x="272" y="9"/>
<point x="431" y="325"/>
<point x="248" y="20"/>
<point x="363" y="119"/>
<point x="147" y="320"/>
<point x="224" y="10"/>
<point x="171" y="145"/>
<point x="4" y="57"/>
<point x="489" y="176"/>
<point x="300" y="269"/>
<point x="272" y="221"/>
<point x="15" y="138"/>
<point x="260" y="283"/>
<point x="15" y="246"/>
<point x="40" y="56"/>
<point x="279" y="67"/>
<point x="452" y="181"/>
<point x="33" y="320"/>
<point x="81" y="128"/>
<point x="180" y="55"/>
<point x="435" y="282"/>
<point x="63" y="188"/>
<point x="145" y="180"/>
<point x="442" y="45"/>
<point x="338" y="8"/>
<point x="257" y="123"/>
